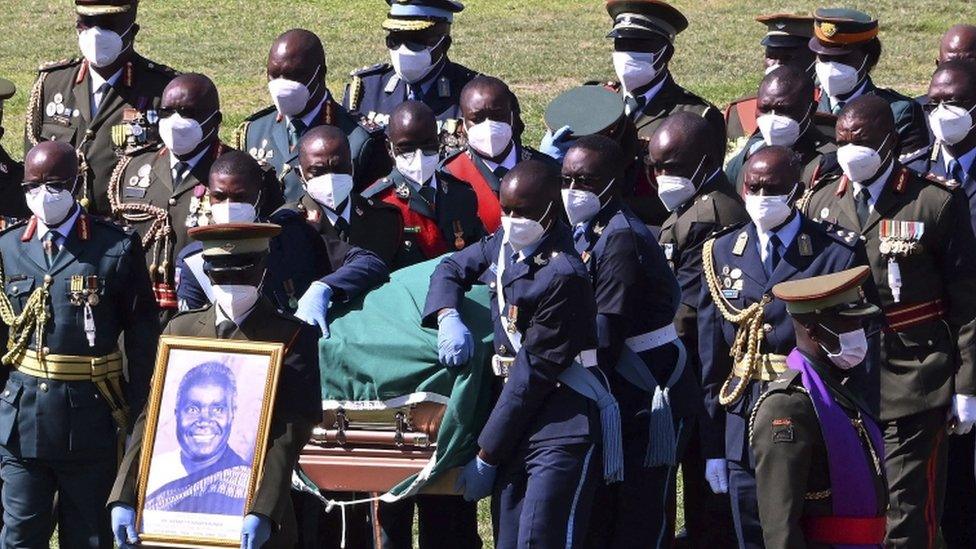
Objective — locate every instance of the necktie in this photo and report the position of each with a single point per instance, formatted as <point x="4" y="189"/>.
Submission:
<point x="863" y="207"/>
<point x="414" y="93"/>
<point x="579" y="231"/>
<point x="500" y="172"/>
<point x="429" y="194"/>
<point x="956" y="171"/>
<point x="225" y="329"/>
<point x="342" y="228"/>
<point x="773" y="254"/>
<point x="180" y="170"/>
<point x="51" y="247"/>
<point x="295" y="129"/>
<point x="634" y="105"/>
<point x="837" y="108"/>
<point x="99" y="96"/>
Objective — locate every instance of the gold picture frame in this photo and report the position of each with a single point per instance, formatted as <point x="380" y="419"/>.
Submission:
<point x="172" y="528"/>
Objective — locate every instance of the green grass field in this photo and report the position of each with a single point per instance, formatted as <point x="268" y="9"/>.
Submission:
<point x="539" y="47"/>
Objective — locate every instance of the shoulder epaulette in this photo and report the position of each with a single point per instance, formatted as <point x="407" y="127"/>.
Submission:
<point x="722" y="231"/>
<point x="13" y="224"/>
<point x="939" y="180"/>
<point x="104" y="221"/>
<point x="379" y="186"/>
<point x="191" y="311"/>
<point x="371" y="127"/>
<point x="365" y="71"/>
<point x="161" y="68"/>
<point x="261" y="113"/>
<point x="55" y="65"/>
<point x="841" y="235"/>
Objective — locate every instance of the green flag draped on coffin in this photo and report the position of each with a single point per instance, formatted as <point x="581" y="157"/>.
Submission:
<point x="380" y="358"/>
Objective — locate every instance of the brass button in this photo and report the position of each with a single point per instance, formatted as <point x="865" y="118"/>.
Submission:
<point x="48" y="279"/>
<point x="6" y="393"/>
<point x="46" y="350"/>
<point x="491" y="285"/>
<point x="43" y="387"/>
<point x="767" y="328"/>
<point x="172" y="201"/>
<point x="502" y="350"/>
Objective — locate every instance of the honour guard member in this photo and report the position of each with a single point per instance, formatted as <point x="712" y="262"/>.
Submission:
<point x="540" y="449"/>
<point x="105" y="103"/>
<point x="235" y="257"/>
<point x="818" y="449"/>
<point x="493" y="149"/>
<point x="786" y="42"/>
<point x="847" y="47"/>
<point x="744" y="335"/>
<point x="636" y="299"/>
<point x="685" y="158"/>
<point x="161" y="191"/>
<point x="438" y="212"/>
<point x="75" y="285"/>
<point x="959" y="42"/>
<point x="297" y="73"/>
<point x="12" y="204"/>
<point x="787" y="116"/>
<point x="923" y="258"/>
<point x="305" y="273"/>
<point x="418" y="37"/>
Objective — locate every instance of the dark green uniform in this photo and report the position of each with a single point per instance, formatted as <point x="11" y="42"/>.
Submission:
<point x="297" y="410"/>
<point x="816" y="149"/>
<point x="12" y="203"/>
<point x="60" y="109"/>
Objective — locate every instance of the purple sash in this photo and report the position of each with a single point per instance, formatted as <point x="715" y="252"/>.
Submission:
<point x="851" y="475"/>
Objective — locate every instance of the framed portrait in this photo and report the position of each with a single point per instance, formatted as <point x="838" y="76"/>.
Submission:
<point x="207" y="425"/>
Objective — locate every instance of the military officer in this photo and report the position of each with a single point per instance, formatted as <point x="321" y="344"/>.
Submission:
<point x="847" y="47"/>
<point x="786" y="42"/>
<point x="75" y="286"/>
<point x="743" y="335"/>
<point x="12" y="205"/>
<point x="636" y="298"/>
<point x="438" y="212"/>
<point x="104" y="103"/>
<point x="540" y="449"/>
<point x="161" y="190"/>
<point x="236" y="256"/>
<point x="297" y="83"/>
<point x="959" y="42"/>
<point x="492" y="147"/>
<point x="305" y="273"/>
<point x="921" y="247"/>
<point x="418" y="37"/>
<point x="818" y="448"/>
<point x="786" y="116"/>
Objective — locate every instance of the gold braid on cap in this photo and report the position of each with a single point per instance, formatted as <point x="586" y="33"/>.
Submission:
<point x="748" y="337"/>
<point x="30" y="322"/>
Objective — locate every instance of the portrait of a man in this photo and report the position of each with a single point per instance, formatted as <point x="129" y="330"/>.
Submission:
<point x="205" y="475"/>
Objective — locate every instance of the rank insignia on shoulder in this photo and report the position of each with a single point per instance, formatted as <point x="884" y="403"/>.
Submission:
<point x="804" y="245"/>
<point x="740" y="244"/>
<point x="540" y="261"/>
<point x="783" y="430"/>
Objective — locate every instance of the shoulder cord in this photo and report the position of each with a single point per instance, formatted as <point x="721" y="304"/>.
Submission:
<point x="34" y="110"/>
<point x="159" y="234"/>
<point x="747" y="337"/>
<point x="31" y="320"/>
<point x="240" y="136"/>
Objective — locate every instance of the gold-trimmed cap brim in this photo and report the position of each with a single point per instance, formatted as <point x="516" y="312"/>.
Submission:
<point x="101" y="10"/>
<point x="407" y="25"/>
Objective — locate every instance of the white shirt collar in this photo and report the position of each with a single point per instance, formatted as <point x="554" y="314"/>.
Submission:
<point x="651" y="92"/>
<point x="312" y="115"/>
<point x="787" y="234"/>
<point x="97" y="80"/>
<point x="875" y="187"/>
<point x="221" y="316"/>
<point x="508" y="163"/>
<point x="854" y="95"/>
<point x="965" y="160"/>
<point x="416" y="186"/>
<point x="191" y="162"/>
<point x="333" y="217"/>
<point x="63" y="229"/>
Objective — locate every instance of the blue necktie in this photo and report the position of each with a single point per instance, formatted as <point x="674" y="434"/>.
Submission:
<point x="773" y="255"/>
<point x="956" y="171"/>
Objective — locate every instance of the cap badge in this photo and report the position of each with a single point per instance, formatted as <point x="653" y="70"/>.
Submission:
<point x="828" y="29"/>
<point x="228" y="247"/>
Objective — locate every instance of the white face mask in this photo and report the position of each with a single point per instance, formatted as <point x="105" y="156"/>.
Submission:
<point x="235" y="299"/>
<point x="778" y="129"/>
<point x="412" y="66"/>
<point x="101" y="47"/>
<point x="183" y="135"/>
<point x="233" y="212"/>
<point x="417" y="166"/>
<point x="522" y="232"/>
<point x="635" y="69"/>
<point x="489" y="138"/>
<point x="582" y="206"/>
<point x="675" y="190"/>
<point x="853" y="349"/>
<point x="331" y="189"/>
<point x="838" y="79"/>
<point x="858" y="162"/>
<point x="50" y="208"/>
<point x="291" y="97"/>
<point x="769" y="212"/>
<point x="950" y="123"/>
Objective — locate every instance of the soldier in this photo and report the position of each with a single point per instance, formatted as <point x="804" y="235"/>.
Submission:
<point x="818" y="448"/>
<point x="636" y="298"/>
<point x="418" y="37"/>
<point x="75" y="286"/>
<point x="105" y="103"/>
<point x="12" y="204"/>
<point x="538" y="452"/>
<point x="305" y="273"/>
<point x="438" y="212"/>
<point x="743" y="335"/>
<point x="786" y="44"/>
<point x="492" y="147"/>
<point x="847" y="47"/>
<point x="787" y="117"/>
<point x="235" y="257"/>
<point x="923" y="257"/>
<point x="162" y="191"/>
<point x="297" y="74"/>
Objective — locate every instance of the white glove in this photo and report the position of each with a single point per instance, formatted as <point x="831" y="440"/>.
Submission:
<point x="962" y="414"/>
<point x="717" y="475"/>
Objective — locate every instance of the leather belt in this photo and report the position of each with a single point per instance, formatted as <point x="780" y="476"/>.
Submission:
<point x="770" y="369"/>
<point x="844" y="530"/>
<point x="652" y="339"/>
<point x="907" y="316"/>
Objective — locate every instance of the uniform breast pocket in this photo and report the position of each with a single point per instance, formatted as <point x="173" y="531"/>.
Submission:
<point x="927" y="342"/>
<point x="19" y="289"/>
<point x="91" y="420"/>
<point x="9" y="407"/>
<point x="57" y="132"/>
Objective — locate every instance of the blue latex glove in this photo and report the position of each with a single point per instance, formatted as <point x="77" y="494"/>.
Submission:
<point x="455" y="345"/>
<point x="313" y="307"/>
<point x="255" y="532"/>
<point x="124" y="525"/>
<point x="557" y="144"/>
<point x="476" y="480"/>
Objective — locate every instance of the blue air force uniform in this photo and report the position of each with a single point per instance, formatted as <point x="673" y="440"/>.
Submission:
<point x="60" y="430"/>
<point x="541" y="433"/>
<point x="637" y="297"/>
<point x="736" y="270"/>
<point x="298" y="257"/>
